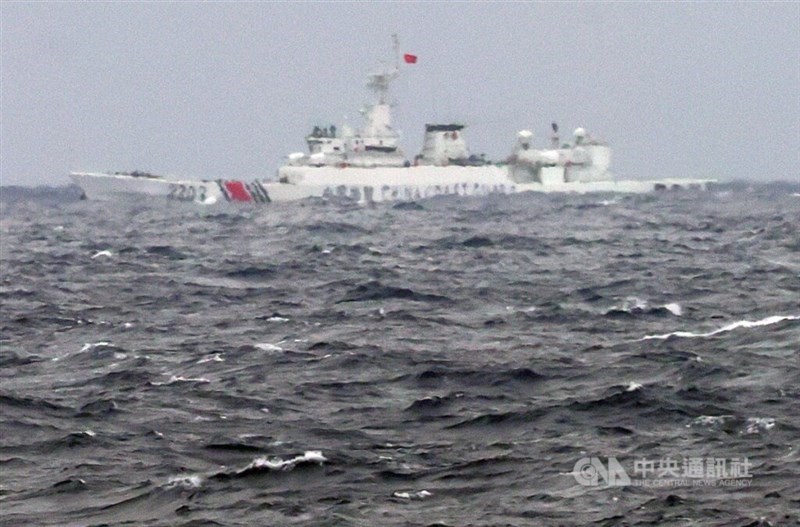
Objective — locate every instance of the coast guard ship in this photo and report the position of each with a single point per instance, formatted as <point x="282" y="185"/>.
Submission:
<point x="367" y="165"/>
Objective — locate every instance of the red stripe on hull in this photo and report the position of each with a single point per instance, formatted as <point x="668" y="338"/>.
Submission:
<point x="237" y="191"/>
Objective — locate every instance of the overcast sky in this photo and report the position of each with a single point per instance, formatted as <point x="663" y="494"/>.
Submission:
<point x="210" y="90"/>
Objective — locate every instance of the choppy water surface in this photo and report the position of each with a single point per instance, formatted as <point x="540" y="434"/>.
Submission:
<point x="444" y="364"/>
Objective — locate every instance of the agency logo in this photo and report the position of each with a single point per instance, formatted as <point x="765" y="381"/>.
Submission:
<point x="592" y="472"/>
<point x="668" y="471"/>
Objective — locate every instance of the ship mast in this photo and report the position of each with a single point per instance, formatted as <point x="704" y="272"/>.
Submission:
<point x="378" y="130"/>
<point x="379" y="82"/>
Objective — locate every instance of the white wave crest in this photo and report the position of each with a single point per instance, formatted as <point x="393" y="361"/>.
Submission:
<point x="179" y="378"/>
<point x="90" y="345"/>
<point x="730" y="327"/>
<point x="710" y="420"/>
<point x="633" y="386"/>
<point x="188" y="482"/>
<point x="756" y="425"/>
<point x="422" y="494"/>
<point x="215" y="358"/>
<point x="635" y="305"/>
<point x="312" y="456"/>
<point x="266" y="346"/>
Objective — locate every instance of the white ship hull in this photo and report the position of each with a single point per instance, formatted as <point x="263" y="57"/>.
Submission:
<point x="124" y="187"/>
<point x="362" y="185"/>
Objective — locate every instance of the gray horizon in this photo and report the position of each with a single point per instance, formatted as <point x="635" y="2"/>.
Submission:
<point x="227" y="90"/>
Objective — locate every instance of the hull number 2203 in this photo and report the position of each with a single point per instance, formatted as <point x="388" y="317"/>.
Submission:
<point x="187" y="192"/>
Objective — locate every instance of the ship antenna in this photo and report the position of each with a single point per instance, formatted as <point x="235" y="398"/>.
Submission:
<point x="396" y="43"/>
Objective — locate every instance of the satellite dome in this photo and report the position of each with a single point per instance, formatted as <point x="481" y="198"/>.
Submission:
<point x="580" y="132"/>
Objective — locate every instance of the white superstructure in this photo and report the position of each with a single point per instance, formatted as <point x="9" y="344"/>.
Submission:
<point x="368" y="165"/>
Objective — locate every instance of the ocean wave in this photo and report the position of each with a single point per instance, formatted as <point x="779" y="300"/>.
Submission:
<point x="632" y="306"/>
<point x="494" y="420"/>
<point x="410" y="495"/>
<point x="495" y="377"/>
<point x="100" y="407"/>
<point x="253" y="272"/>
<point x="179" y="379"/>
<point x="375" y="290"/>
<point x="264" y="465"/>
<point x="734" y="424"/>
<point x="29" y="404"/>
<point x="768" y="321"/>
<point x="266" y="346"/>
<point x="9" y="359"/>
<point x="166" y="251"/>
<point x="485" y="345"/>
<point x="193" y="481"/>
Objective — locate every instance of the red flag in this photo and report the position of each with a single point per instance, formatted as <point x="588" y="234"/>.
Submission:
<point x="409" y="58"/>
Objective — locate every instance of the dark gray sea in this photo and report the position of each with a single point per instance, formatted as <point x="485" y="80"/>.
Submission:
<point x="512" y="361"/>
